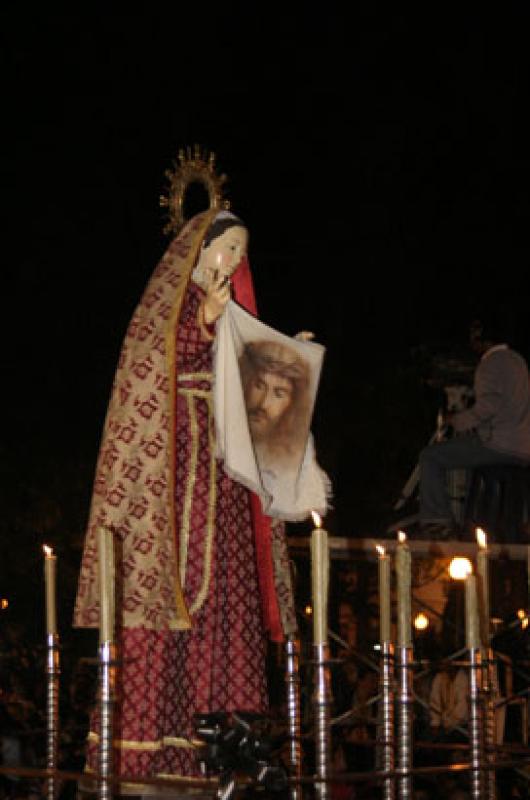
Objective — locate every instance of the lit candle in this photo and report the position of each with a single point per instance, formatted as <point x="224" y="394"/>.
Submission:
<point x="403" y="575"/>
<point x="460" y="568"/>
<point x="384" y="594"/>
<point x="106" y="585"/>
<point x="472" y="618"/>
<point x="50" y="562"/>
<point x="483" y="584"/>
<point x="320" y="577"/>
<point x="421" y="622"/>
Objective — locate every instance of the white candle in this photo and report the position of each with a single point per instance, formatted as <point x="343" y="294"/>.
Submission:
<point x="319" y="579"/>
<point x="106" y="585"/>
<point x="483" y="584"/>
<point x="50" y="563"/>
<point x="403" y="575"/>
<point x="472" y="618"/>
<point x="384" y="595"/>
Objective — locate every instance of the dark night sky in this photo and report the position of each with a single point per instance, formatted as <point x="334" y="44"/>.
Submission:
<point x="381" y="163"/>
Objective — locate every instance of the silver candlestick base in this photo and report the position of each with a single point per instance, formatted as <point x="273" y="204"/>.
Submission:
<point x="489" y="686"/>
<point x="107" y="692"/>
<point x="53" y="672"/>
<point x="404" y="743"/>
<point x="322" y="706"/>
<point x="292" y="681"/>
<point x="385" y="739"/>
<point x="476" y="731"/>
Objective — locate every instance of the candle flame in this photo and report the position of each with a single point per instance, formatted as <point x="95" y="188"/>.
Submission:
<point x="460" y="568"/>
<point x="317" y="519"/>
<point x="482" y="539"/>
<point x="521" y="614"/>
<point x="308" y="610"/>
<point x="380" y="549"/>
<point x="402" y="537"/>
<point x="4" y="603"/>
<point x="48" y="551"/>
<point x="421" y="622"/>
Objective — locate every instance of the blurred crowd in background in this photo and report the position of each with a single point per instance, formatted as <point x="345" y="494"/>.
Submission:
<point x="23" y="709"/>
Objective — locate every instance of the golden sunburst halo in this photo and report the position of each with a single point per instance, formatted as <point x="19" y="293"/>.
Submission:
<point x="192" y="166"/>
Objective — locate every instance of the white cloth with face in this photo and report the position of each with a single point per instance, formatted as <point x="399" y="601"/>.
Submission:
<point x="265" y="385"/>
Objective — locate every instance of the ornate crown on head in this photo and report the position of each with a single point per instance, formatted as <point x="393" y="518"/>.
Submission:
<point x="195" y="166"/>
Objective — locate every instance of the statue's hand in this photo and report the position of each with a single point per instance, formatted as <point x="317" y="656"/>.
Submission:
<point x="217" y="296"/>
<point x="304" y="336"/>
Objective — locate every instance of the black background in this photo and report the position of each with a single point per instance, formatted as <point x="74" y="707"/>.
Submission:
<point x="380" y="161"/>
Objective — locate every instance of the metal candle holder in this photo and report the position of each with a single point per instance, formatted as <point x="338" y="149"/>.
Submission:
<point x="404" y="744"/>
<point x="292" y="681"/>
<point x="476" y="739"/>
<point x="52" y="712"/>
<point x="107" y="691"/>
<point x="489" y="687"/>
<point x="322" y="704"/>
<point x="386" y="717"/>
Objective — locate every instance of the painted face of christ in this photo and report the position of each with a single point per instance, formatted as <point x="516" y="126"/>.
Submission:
<point x="275" y="384"/>
<point x="268" y="397"/>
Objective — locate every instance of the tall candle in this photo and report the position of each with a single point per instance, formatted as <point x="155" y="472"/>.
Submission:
<point x="472" y="617"/>
<point x="106" y="585"/>
<point x="50" y="563"/>
<point x="384" y="595"/>
<point x="319" y="579"/>
<point x="403" y="575"/>
<point x="483" y="584"/>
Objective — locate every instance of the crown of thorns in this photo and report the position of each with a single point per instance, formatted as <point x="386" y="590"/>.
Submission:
<point x="276" y="358"/>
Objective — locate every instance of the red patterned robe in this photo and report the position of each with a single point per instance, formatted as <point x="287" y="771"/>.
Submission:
<point x="189" y="542"/>
<point x="219" y="663"/>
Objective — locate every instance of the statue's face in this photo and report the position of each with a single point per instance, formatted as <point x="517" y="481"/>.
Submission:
<point x="224" y="254"/>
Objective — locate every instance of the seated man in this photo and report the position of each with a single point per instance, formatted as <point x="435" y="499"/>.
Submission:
<point x="495" y="430"/>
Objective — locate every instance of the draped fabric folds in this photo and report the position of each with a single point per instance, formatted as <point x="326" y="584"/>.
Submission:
<point x="200" y="569"/>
